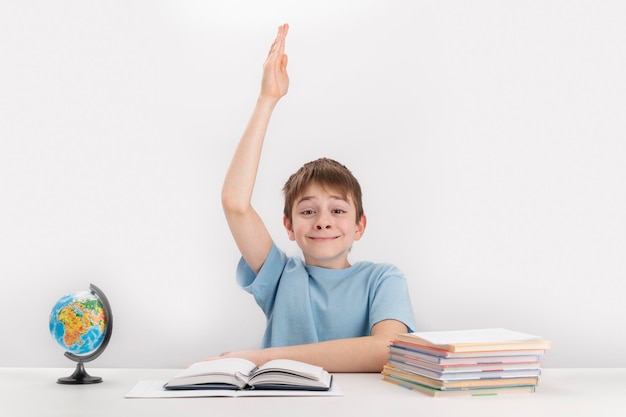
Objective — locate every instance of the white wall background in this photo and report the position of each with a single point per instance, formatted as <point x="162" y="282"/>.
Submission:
<point x="488" y="137"/>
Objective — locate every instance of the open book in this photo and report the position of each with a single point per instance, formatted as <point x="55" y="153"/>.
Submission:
<point x="241" y="374"/>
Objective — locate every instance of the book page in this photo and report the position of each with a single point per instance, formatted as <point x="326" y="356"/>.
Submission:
<point x="229" y="366"/>
<point x="289" y="365"/>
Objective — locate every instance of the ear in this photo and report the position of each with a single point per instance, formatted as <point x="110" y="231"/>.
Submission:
<point x="289" y="228"/>
<point x="360" y="227"/>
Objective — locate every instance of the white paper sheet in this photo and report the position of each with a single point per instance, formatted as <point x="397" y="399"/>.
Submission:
<point x="154" y="389"/>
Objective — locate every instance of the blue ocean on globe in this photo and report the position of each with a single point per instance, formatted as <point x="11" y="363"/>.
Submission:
<point x="78" y="322"/>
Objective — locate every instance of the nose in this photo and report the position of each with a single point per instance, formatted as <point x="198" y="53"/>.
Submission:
<point x="320" y="227"/>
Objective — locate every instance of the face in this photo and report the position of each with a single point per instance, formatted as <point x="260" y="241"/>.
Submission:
<point x="323" y="225"/>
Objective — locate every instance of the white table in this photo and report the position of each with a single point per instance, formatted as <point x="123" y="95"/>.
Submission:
<point x="562" y="392"/>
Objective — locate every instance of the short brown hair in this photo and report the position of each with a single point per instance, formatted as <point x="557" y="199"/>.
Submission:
<point x="327" y="173"/>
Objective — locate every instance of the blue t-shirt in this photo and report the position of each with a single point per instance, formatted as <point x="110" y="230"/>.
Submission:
<point x="308" y="304"/>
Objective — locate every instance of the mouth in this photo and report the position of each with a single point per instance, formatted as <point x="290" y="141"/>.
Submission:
<point x="323" y="238"/>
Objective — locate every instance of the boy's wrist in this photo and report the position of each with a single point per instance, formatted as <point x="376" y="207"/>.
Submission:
<point x="267" y="101"/>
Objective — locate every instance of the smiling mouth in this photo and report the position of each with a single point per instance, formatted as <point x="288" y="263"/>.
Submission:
<point x="323" y="238"/>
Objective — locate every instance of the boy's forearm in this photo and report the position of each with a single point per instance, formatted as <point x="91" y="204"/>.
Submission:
<point x="241" y="175"/>
<point x="361" y="354"/>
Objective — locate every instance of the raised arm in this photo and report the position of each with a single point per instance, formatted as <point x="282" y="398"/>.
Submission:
<point x="248" y="230"/>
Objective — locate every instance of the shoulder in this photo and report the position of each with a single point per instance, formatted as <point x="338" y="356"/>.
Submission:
<point x="377" y="275"/>
<point x="374" y="269"/>
<point x="276" y="264"/>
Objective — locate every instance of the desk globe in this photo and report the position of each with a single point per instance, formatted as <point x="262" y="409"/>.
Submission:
<point x="81" y="323"/>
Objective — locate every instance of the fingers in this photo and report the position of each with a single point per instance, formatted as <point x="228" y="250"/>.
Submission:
<point x="278" y="47"/>
<point x="275" y="80"/>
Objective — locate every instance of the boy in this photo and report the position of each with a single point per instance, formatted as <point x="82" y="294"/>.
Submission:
<point x="322" y="311"/>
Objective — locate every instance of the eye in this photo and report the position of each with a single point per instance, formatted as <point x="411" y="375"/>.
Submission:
<point x="307" y="212"/>
<point x="339" y="211"/>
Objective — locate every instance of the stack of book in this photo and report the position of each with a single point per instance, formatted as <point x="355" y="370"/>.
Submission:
<point x="466" y="362"/>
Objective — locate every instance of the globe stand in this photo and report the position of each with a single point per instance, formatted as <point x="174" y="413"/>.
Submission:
<point x="80" y="376"/>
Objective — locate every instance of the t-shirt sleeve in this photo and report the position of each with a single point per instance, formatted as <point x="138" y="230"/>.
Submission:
<point x="263" y="286"/>
<point x="391" y="300"/>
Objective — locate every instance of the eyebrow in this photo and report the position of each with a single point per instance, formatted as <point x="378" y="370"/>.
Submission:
<point x="310" y="197"/>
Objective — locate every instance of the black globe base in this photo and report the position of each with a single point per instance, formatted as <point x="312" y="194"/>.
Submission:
<point x="80" y="376"/>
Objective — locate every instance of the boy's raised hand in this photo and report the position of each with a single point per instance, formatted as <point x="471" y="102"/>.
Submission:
<point x="275" y="82"/>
